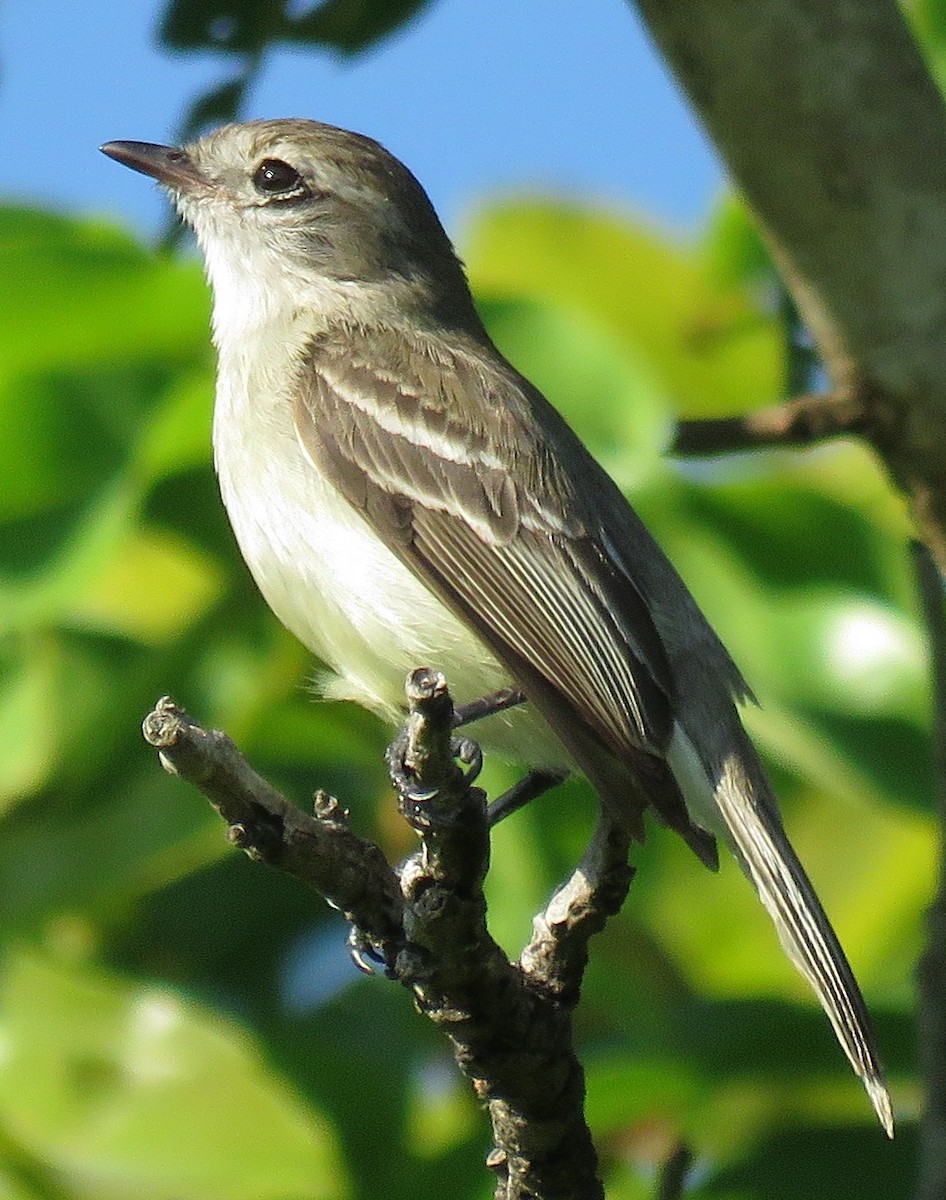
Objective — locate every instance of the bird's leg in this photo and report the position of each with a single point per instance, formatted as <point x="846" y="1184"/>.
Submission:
<point x="535" y="784"/>
<point x="365" y="957"/>
<point x="432" y="769"/>
<point x="465" y="749"/>
<point x="486" y="706"/>
<point x="530" y="786"/>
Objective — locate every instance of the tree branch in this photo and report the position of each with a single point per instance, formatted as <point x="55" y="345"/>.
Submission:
<point x="802" y="421"/>
<point x="321" y="850"/>
<point x="510" y="1025"/>
<point x="831" y="126"/>
<point x="511" y="1038"/>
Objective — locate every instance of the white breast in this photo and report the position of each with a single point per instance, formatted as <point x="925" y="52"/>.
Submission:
<point x="320" y="567"/>
<point x="322" y="570"/>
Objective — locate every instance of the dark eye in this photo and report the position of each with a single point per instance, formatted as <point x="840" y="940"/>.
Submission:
<point x="275" y="177"/>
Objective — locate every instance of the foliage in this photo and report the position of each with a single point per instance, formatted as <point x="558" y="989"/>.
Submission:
<point x="245" y="29"/>
<point x="120" y="580"/>
<point x="177" y="1022"/>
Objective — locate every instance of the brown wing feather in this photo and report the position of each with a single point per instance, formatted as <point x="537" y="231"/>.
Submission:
<point x="553" y="583"/>
<point x="526" y="575"/>
<point x="512" y="562"/>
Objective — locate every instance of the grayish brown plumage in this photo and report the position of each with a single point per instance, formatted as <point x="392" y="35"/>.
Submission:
<point x="404" y="497"/>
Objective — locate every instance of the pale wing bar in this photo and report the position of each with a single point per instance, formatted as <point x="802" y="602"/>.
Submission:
<point x="519" y="584"/>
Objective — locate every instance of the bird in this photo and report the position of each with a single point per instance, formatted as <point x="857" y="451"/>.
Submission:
<point x="403" y="496"/>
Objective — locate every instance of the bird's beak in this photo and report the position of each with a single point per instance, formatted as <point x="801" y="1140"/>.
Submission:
<point x="167" y="164"/>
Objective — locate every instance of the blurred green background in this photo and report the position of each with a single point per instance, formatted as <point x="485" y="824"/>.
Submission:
<point x="178" y="1023"/>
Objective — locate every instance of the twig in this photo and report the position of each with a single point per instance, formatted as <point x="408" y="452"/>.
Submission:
<point x="510" y="1025"/>
<point x="801" y="421"/>
<point x="322" y="851"/>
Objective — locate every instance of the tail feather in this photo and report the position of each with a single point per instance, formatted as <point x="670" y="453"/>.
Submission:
<point x="739" y="808"/>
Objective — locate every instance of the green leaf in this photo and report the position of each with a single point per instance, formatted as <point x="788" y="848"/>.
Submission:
<point x="929" y="22"/>
<point x="127" y="1089"/>
<point x="217" y="106"/>
<point x="708" y="348"/>
<point x="134" y="305"/>
<point x="153" y="586"/>
<point x="235" y="25"/>
<point x="354" y="25"/>
<point x="733" y="251"/>
<point x="28" y="695"/>
<point x="811" y="1164"/>
<point x="607" y="393"/>
<point x="249" y="26"/>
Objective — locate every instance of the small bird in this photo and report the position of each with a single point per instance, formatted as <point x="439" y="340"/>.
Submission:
<point x="404" y="497"/>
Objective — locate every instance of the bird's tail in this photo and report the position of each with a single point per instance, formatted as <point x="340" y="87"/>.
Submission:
<point x="737" y="804"/>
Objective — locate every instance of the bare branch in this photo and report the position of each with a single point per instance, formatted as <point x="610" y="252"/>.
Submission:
<point x="510" y="1026"/>
<point x="802" y="421"/>
<point x="513" y="1040"/>
<point x="322" y="851"/>
<point x="831" y="126"/>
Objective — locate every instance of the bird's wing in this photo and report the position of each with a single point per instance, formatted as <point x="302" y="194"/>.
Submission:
<point x="436" y="450"/>
<point x="440" y="455"/>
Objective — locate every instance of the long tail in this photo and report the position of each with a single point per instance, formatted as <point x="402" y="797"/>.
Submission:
<point x="738" y="805"/>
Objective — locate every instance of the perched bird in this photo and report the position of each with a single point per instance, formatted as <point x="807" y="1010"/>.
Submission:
<point x="404" y="498"/>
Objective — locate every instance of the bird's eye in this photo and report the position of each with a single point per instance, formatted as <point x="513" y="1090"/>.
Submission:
<point x="275" y="177"/>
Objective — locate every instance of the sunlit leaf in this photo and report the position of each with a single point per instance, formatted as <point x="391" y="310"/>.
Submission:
<point x="133" y="304"/>
<point x="708" y="347"/>
<point x="178" y="435"/>
<point x="152" y="588"/>
<point x="28" y="681"/>
<point x="734" y="253"/>
<point x="131" y="1090"/>
<point x="607" y="392"/>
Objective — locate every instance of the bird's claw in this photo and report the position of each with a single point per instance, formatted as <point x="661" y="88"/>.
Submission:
<point x="363" y="954"/>
<point x="417" y="803"/>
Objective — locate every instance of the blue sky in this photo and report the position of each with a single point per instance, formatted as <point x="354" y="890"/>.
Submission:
<point x="478" y="97"/>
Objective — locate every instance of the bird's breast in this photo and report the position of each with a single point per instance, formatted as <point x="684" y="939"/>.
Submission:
<point x="320" y="566"/>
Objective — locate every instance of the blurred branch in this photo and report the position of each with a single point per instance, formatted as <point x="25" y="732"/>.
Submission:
<point x="833" y="129"/>
<point x="673" y="1175"/>
<point x="510" y="1025"/>
<point x="802" y="421"/>
<point x="931" y="971"/>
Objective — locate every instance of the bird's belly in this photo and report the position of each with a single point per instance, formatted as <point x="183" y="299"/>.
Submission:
<point x="334" y="584"/>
